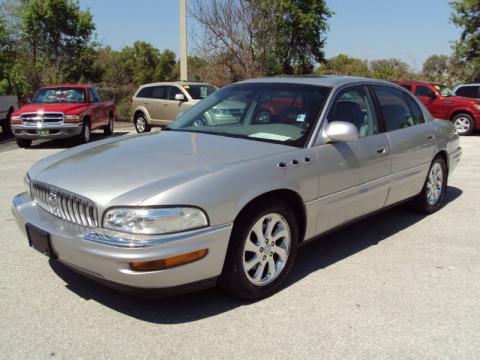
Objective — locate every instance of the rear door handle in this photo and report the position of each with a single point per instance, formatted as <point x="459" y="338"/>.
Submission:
<point x="146" y="103"/>
<point x="382" y="150"/>
<point x="430" y="136"/>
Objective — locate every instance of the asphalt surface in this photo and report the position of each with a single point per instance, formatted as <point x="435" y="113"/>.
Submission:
<point x="397" y="285"/>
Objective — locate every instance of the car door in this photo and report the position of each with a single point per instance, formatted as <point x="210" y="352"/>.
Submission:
<point x="96" y="109"/>
<point x="353" y="176"/>
<point x="157" y="104"/>
<point x="412" y="141"/>
<point x="428" y="98"/>
<point x="174" y="107"/>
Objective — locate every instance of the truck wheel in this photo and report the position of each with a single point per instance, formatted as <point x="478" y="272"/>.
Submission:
<point x="6" y="128"/>
<point x="24" y="143"/>
<point x="84" y="136"/>
<point x="108" y="130"/>
<point x="141" y="124"/>
<point x="464" y="123"/>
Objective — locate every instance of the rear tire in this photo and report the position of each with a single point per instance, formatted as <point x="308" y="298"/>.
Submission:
<point x="108" y="130"/>
<point x="141" y="124"/>
<point x="6" y="126"/>
<point x="432" y="196"/>
<point x="256" y="266"/>
<point x="23" y="143"/>
<point x="464" y="124"/>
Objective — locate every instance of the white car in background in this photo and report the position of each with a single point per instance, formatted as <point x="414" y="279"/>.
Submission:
<point x="8" y="104"/>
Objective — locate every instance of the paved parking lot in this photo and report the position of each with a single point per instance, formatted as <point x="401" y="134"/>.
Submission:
<point x="396" y="285"/>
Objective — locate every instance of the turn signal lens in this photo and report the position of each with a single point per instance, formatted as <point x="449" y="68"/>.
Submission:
<point x="168" y="262"/>
<point x="16" y="120"/>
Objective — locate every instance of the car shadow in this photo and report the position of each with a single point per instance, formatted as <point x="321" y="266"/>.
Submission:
<point x="315" y="255"/>
<point x="70" y="142"/>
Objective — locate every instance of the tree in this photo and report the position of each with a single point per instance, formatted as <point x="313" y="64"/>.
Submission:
<point x="344" y="65"/>
<point x="391" y="69"/>
<point x="466" y="15"/>
<point x="435" y="68"/>
<point x="258" y="37"/>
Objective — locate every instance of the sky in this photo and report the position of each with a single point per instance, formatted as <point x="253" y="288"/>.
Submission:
<point x="410" y="30"/>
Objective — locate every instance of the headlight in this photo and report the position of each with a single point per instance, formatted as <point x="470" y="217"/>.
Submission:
<point x="72" y="117"/>
<point x="26" y="181"/>
<point x="154" y="220"/>
<point x="477" y="106"/>
<point x="15" y="118"/>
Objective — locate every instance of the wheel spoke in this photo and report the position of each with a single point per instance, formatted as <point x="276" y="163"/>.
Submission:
<point x="258" y="230"/>
<point x="281" y="252"/>
<point x="271" y="266"/>
<point x="249" y="265"/>
<point x="279" y="234"/>
<point x="250" y="246"/>
<point x="259" y="271"/>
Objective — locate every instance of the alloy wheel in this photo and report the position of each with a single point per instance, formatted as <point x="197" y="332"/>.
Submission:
<point x="435" y="184"/>
<point x="462" y="124"/>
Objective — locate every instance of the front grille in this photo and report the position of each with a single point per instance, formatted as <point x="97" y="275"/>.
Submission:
<point x="51" y="118"/>
<point x="65" y="205"/>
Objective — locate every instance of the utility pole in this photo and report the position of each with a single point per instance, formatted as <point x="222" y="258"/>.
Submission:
<point x="183" y="40"/>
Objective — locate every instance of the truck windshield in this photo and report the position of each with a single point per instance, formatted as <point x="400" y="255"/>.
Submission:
<point x="269" y="112"/>
<point x="444" y="91"/>
<point x="59" y="95"/>
<point x="198" y="92"/>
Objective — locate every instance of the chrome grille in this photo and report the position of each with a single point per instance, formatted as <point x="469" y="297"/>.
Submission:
<point x="33" y="119"/>
<point x="65" y="205"/>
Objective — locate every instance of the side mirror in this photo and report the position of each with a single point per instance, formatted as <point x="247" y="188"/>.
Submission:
<point x="341" y="131"/>
<point x="180" y="97"/>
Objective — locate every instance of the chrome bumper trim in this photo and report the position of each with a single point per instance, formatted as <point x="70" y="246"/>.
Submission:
<point x="145" y="243"/>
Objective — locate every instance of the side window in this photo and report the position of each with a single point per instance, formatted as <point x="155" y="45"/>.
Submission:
<point x="395" y="109"/>
<point x="417" y="114"/>
<point x="468" y="91"/>
<point x="146" y="92"/>
<point x="408" y="87"/>
<point x="91" y="95"/>
<point x="159" y="92"/>
<point x="173" y="91"/>
<point x="424" y="91"/>
<point x="354" y="105"/>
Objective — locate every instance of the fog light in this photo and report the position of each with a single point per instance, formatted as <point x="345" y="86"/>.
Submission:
<point x="168" y="262"/>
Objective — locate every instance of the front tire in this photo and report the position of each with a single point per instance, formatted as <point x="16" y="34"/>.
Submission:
<point x="464" y="123"/>
<point x="23" y="143"/>
<point x="108" y="130"/>
<point x="141" y="124"/>
<point x="432" y="196"/>
<point x="261" y="252"/>
<point x="84" y="136"/>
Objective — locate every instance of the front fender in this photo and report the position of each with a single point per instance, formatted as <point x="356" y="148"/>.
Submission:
<point x="144" y="110"/>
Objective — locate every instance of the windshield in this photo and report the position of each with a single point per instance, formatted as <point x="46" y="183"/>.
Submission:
<point x="199" y="92"/>
<point x="59" y="95"/>
<point x="444" y="91"/>
<point x="270" y="112"/>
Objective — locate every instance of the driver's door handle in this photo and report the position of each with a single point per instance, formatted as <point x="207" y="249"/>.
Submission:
<point x="430" y="136"/>
<point x="382" y="150"/>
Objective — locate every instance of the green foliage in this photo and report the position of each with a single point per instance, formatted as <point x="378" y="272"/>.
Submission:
<point x="466" y="15"/>
<point x="344" y="65"/>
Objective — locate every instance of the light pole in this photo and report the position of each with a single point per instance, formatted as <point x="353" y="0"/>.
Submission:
<point x="183" y="40"/>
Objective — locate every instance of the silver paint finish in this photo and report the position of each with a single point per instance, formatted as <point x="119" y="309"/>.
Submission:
<point x="341" y="131"/>
<point x="221" y="175"/>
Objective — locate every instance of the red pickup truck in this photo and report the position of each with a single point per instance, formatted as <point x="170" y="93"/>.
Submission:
<point x="444" y="104"/>
<point x="62" y="111"/>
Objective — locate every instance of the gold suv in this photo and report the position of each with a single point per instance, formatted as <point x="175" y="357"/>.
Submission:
<point x="158" y="104"/>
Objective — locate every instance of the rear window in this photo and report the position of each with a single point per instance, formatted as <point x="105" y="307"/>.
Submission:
<point x="468" y="91"/>
<point x="199" y="92"/>
<point x="408" y="87"/>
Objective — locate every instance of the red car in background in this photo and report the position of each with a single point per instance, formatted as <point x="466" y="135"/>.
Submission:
<point x="62" y="111"/>
<point x="444" y="104"/>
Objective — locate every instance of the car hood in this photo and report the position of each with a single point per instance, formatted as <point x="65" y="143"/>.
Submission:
<point x="57" y="107"/>
<point x="130" y="169"/>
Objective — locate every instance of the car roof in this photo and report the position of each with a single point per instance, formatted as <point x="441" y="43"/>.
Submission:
<point x="319" y="80"/>
<point x="419" y="82"/>
<point x="80" y="86"/>
<point x="175" y="83"/>
<point x="471" y="84"/>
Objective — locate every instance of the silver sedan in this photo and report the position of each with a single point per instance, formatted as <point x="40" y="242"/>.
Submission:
<point x="200" y="204"/>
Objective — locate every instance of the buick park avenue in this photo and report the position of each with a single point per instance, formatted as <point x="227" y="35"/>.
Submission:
<point x="208" y="202"/>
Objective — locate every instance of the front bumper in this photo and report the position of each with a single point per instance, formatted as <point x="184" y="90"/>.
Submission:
<point x="110" y="264"/>
<point x="47" y="131"/>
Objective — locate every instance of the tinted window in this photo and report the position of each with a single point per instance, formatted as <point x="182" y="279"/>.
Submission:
<point x="174" y="91"/>
<point x="395" y="109"/>
<point x="268" y="112"/>
<point x="408" y="87"/>
<point x="415" y="111"/>
<point x="199" y="91"/>
<point x="92" y="95"/>
<point x="146" y="92"/>
<point x="354" y="105"/>
<point x="424" y="91"/>
<point x="159" y="92"/>
<point x="468" y="91"/>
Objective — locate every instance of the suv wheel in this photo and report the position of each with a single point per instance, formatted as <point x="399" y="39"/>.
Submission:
<point x="464" y="123"/>
<point x="141" y="124"/>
